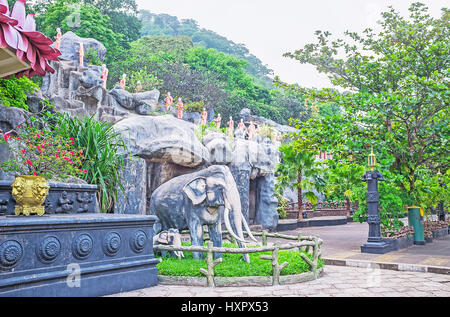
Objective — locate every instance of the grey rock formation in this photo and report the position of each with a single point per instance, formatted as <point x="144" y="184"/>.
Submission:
<point x="193" y="117"/>
<point x="70" y="44"/>
<point x="10" y="118"/>
<point x="162" y="139"/>
<point x="143" y="103"/>
<point x="267" y="203"/>
<point x="77" y="91"/>
<point x="247" y="116"/>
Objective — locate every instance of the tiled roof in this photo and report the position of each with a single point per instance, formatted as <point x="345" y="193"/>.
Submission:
<point x="23" y="50"/>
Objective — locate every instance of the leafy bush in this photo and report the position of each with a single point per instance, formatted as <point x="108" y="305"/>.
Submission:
<point x="148" y="81"/>
<point x="14" y="91"/>
<point x="192" y="106"/>
<point x="42" y="152"/>
<point x="92" y="57"/>
<point x="104" y="156"/>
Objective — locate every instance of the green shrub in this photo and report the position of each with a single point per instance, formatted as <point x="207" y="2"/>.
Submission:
<point x="14" y="91"/>
<point x="103" y="151"/>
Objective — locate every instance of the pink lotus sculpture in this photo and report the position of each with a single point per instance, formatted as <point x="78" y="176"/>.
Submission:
<point x="32" y="48"/>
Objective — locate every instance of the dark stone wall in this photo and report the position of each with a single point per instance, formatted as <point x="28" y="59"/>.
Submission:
<point x="266" y="214"/>
<point x="242" y="178"/>
<point x="76" y="255"/>
<point x="134" y="177"/>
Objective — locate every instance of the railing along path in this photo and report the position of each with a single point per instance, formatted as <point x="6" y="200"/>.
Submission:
<point x="304" y="245"/>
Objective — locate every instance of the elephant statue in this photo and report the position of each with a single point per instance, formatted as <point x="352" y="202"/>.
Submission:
<point x="202" y="198"/>
<point x="170" y="237"/>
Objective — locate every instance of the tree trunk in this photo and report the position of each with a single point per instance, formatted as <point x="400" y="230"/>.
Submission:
<point x="300" y="196"/>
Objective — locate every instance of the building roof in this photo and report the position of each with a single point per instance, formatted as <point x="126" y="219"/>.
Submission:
<point x="23" y="50"/>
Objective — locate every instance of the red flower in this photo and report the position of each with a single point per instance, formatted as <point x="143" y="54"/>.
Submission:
<point x="28" y="162"/>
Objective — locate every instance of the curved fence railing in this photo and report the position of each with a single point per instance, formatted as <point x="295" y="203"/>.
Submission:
<point x="304" y="244"/>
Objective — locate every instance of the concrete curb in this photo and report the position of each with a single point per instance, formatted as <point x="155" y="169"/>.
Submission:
<point x="245" y="281"/>
<point x="388" y="266"/>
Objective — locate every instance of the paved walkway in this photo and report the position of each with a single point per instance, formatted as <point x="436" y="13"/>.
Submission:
<point x="356" y="274"/>
<point x="337" y="281"/>
<point x="344" y="242"/>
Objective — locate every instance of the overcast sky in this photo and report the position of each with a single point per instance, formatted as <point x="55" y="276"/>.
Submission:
<point x="269" y="28"/>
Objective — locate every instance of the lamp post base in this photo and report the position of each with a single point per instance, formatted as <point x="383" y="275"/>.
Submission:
<point x="381" y="247"/>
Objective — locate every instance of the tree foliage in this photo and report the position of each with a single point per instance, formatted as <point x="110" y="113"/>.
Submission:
<point x="167" y="25"/>
<point x="14" y="91"/>
<point x="396" y="96"/>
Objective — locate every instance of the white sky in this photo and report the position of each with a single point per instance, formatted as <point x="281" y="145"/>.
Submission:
<point x="270" y="28"/>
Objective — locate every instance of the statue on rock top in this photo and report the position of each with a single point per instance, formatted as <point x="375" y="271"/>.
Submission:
<point x="81" y="54"/>
<point x="241" y="125"/>
<point x="218" y="121"/>
<point x="230" y="125"/>
<point x="123" y="81"/>
<point x="104" y="75"/>
<point x="251" y="131"/>
<point x="168" y="101"/>
<point x="139" y="86"/>
<point x="58" y="39"/>
<point x="180" y="109"/>
<point x="204" y="117"/>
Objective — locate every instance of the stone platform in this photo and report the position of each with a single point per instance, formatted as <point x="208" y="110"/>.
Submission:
<point x="292" y="224"/>
<point x="76" y="255"/>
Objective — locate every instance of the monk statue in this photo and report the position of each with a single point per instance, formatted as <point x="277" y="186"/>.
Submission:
<point x="123" y="81"/>
<point x="251" y="131"/>
<point x="81" y="54"/>
<point x="180" y="109"/>
<point x="241" y="125"/>
<point x="204" y="117"/>
<point x="138" y="86"/>
<point x="218" y="121"/>
<point x="168" y="101"/>
<point x="58" y="39"/>
<point x="230" y="125"/>
<point x="104" y="75"/>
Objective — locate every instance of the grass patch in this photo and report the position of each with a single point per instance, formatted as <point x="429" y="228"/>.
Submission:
<point x="234" y="264"/>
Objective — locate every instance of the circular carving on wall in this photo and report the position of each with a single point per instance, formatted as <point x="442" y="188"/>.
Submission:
<point x="82" y="246"/>
<point x="11" y="252"/>
<point x="112" y="243"/>
<point x="138" y="241"/>
<point x="49" y="249"/>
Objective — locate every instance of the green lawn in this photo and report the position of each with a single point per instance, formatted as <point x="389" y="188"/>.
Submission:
<point x="234" y="264"/>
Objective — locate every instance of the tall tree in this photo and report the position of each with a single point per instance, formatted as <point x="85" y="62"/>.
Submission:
<point x="397" y="92"/>
<point x="300" y="170"/>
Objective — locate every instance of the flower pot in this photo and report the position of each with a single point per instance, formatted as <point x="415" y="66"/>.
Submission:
<point x="30" y="193"/>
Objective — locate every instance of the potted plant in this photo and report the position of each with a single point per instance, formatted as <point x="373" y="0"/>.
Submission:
<point x="38" y="156"/>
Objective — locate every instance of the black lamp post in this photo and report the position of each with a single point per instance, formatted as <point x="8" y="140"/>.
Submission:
<point x="441" y="212"/>
<point x="375" y="243"/>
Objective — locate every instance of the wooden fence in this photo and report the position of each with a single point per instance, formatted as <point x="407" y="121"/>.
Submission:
<point x="323" y="208"/>
<point x="304" y="245"/>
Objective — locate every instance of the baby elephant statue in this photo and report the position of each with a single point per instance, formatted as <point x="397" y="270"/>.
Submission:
<point x="170" y="237"/>
<point x="202" y="198"/>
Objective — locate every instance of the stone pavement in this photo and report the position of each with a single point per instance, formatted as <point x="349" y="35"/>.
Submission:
<point x="337" y="281"/>
<point x="347" y="272"/>
<point x="341" y="246"/>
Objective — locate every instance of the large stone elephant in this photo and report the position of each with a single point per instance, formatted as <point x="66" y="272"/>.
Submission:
<point x="201" y="198"/>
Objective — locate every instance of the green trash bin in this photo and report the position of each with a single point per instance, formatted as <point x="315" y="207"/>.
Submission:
<point x="415" y="220"/>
